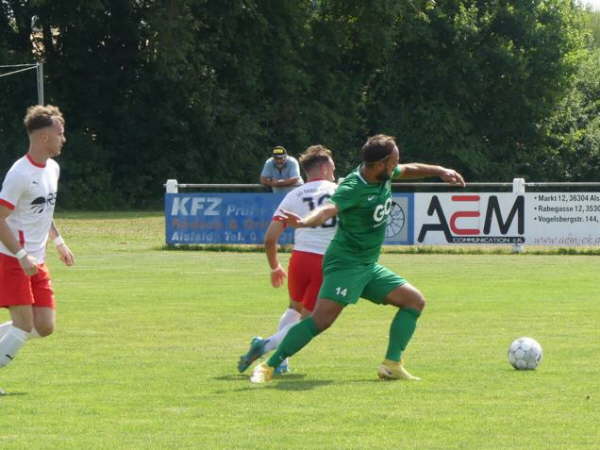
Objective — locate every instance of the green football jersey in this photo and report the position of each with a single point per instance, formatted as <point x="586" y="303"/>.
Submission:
<point x="363" y="210"/>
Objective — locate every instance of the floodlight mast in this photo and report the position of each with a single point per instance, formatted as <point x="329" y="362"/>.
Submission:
<point x="38" y="50"/>
<point x="39" y="69"/>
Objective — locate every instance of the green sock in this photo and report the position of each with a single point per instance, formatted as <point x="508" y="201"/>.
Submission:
<point x="296" y="338"/>
<point x="402" y="328"/>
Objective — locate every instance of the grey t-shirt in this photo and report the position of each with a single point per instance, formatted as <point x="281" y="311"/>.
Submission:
<point x="290" y="169"/>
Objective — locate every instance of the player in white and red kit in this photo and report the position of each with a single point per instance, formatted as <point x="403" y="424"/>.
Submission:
<point x="305" y="266"/>
<point x="27" y="202"/>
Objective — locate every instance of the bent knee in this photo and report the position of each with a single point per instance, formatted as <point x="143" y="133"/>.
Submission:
<point x="44" y="330"/>
<point x="322" y="326"/>
<point x="421" y="303"/>
<point x="417" y="302"/>
<point x="323" y="323"/>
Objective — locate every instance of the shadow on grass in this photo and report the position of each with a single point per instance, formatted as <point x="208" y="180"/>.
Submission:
<point x="291" y="382"/>
<point x="233" y="377"/>
<point x="288" y="382"/>
<point x="11" y="394"/>
<point x="246" y="376"/>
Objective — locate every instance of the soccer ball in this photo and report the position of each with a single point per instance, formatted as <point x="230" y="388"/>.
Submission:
<point x="525" y="353"/>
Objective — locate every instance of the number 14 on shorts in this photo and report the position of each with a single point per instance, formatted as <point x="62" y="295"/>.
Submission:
<point x="342" y="292"/>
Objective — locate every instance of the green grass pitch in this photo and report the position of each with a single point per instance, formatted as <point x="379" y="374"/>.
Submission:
<point x="147" y="340"/>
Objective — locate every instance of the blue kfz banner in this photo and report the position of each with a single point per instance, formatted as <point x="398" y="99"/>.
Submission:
<point x="220" y="218"/>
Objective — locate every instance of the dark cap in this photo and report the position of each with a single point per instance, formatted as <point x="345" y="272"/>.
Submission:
<point x="279" y="152"/>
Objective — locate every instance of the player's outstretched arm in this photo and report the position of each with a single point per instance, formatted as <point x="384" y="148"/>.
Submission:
<point x="314" y="219"/>
<point x="419" y="170"/>
<point x="64" y="252"/>
<point x="278" y="274"/>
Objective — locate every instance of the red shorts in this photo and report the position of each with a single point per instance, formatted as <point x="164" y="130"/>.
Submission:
<point x="305" y="275"/>
<point x="17" y="288"/>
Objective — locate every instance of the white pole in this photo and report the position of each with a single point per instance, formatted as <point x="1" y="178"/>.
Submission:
<point x="172" y="187"/>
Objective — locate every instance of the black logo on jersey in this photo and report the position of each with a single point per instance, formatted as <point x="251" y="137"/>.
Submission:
<point x="39" y="204"/>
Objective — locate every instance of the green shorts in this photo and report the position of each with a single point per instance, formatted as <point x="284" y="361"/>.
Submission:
<point x="346" y="284"/>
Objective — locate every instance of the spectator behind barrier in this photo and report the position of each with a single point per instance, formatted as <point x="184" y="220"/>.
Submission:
<point x="281" y="172"/>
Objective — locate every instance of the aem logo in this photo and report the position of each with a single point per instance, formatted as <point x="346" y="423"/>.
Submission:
<point x="193" y="206"/>
<point x="454" y="233"/>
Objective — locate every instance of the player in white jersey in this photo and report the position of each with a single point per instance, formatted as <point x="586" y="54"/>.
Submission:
<point x="27" y="202"/>
<point x="305" y="266"/>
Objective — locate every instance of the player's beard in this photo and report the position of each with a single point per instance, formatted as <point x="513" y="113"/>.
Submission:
<point x="383" y="175"/>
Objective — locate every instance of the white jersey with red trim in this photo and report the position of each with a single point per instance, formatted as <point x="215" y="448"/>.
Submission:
<point x="29" y="190"/>
<point x="302" y="201"/>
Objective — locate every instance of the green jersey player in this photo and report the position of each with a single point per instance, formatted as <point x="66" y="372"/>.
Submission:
<point x="362" y="204"/>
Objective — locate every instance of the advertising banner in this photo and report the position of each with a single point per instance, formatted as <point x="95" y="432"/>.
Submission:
<point x="566" y="219"/>
<point x="563" y="219"/>
<point x="230" y="218"/>
<point x="554" y="218"/>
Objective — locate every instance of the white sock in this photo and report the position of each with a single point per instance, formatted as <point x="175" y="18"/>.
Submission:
<point x="4" y="327"/>
<point x="10" y="344"/>
<point x="274" y="341"/>
<point x="289" y="316"/>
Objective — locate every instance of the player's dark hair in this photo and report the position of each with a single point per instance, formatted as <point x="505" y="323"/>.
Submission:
<point x="314" y="156"/>
<point x="39" y="116"/>
<point x="377" y="148"/>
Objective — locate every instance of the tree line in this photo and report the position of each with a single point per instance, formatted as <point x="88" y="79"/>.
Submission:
<point x="201" y="90"/>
